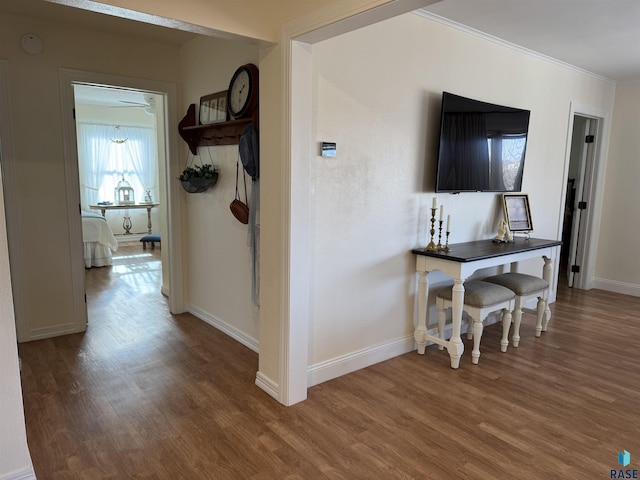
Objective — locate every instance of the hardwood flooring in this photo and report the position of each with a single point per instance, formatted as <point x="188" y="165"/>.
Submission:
<point x="146" y="394"/>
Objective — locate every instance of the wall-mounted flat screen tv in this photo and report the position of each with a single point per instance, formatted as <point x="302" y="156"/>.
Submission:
<point x="482" y="146"/>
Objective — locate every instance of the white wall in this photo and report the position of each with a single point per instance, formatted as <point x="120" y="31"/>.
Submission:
<point x="15" y="460"/>
<point x="377" y="95"/>
<point x="218" y="256"/>
<point x="618" y="262"/>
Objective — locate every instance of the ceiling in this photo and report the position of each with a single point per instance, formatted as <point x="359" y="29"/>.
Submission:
<point x="94" y="21"/>
<point x="599" y="36"/>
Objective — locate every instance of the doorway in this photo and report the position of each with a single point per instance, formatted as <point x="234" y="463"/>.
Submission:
<point x="118" y="141"/>
<point x="168" y="210"/>
<point x="576" y="258"/>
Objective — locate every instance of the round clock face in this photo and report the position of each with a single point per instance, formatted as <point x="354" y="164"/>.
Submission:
<point x="243" y="92"/>
<point x="239" y="93"/>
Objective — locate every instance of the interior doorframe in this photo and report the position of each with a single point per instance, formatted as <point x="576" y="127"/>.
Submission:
<point x="170" y="191"/>
<point x="593" y="189"/>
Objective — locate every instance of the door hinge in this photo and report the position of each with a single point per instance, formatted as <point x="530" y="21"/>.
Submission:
<point x="575" y="268"/>
<point x="85" y="298"/>
<point x="582" y="205"/>
<point x="589" y="139"/>
<point x="74" y="113"/>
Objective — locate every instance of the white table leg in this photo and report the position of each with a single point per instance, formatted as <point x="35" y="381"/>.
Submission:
<point x="421" y="329"/>
<point x="517" y="319"/>
<point x="506" y="325"/>
<point x="477" y="335"/>
<point x="540" y="314"/>
<point x="149" y="220"/>
<point x="455" y="346"/>
<point x="547" y="273"/>
<point x="442" y="318"/>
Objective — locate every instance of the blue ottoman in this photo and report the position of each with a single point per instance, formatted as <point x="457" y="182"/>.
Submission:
<point x="152" y="238"/>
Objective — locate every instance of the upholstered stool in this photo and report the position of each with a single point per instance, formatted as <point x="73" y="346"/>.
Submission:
<point x="525" y="288"/>
<point x="152" y="238"/>
<point x="480" y="299"/>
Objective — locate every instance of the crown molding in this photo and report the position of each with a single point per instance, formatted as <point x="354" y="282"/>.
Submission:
<point x="504" y="43"/>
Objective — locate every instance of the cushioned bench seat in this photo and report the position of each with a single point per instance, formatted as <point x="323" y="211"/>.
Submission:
<point x="152" y="238"/>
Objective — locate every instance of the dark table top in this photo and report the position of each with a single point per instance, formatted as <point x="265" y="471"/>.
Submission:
<point x="481" y="249"/>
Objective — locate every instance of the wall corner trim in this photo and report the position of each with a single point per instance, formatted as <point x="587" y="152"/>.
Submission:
<point x="268" y="385"/>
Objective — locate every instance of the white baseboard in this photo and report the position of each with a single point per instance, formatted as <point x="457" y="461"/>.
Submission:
<point x="617" y="287"/>
<point x="336" y="367"/>
<point x="26" y="473"/>
<point x="230" y="330"/>
<point x="49" y="332"/>
<point x="268" y="385"/>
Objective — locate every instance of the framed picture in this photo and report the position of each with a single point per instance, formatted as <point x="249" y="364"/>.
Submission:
<point x="516" y="212"/>
<point x="213" y="108"/>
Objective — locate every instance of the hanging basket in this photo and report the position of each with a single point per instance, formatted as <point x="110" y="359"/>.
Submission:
<point x="199" y="184"/>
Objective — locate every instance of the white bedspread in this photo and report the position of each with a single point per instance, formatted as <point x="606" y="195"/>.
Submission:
<point x="99" y="241"/>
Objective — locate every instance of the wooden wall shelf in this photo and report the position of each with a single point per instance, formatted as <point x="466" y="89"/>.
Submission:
<point x="221" y="133"/>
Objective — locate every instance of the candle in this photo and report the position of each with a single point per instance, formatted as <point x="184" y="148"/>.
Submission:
<point x="433" y="204"/>
<point x="448" y="223"/>
<point x="441" y="211"/>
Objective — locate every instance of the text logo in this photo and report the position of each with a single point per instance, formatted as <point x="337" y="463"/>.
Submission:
<point x="624" y="459"/>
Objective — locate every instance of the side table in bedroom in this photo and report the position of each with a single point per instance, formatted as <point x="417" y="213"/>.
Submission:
<point x="126" y="222"/>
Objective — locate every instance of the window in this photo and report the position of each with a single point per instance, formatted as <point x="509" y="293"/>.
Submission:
<point x="106" y="154"/>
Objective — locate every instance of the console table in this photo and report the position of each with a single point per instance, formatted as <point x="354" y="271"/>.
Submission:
<point x="460" y="263"/>
<point x="126" y="222"/>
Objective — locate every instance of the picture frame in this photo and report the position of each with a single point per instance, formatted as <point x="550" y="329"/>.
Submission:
<point x="517" y="213"/>
<point x="213" y="108"/>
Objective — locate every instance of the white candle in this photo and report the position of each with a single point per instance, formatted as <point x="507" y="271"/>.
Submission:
<point x="448" y="223"/>
<point x="441" y="211"/>
<point x="433" y="204"/>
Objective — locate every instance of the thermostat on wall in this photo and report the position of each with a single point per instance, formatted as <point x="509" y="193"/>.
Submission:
<point x="328" y="149"/>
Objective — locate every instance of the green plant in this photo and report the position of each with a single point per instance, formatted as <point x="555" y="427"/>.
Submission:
<point x="199" y="171"/>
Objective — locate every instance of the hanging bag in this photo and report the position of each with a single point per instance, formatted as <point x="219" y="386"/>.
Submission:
<point x="238" y="208"/>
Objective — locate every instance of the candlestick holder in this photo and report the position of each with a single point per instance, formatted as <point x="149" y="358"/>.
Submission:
<point x="432" y="246"/>
<point x="439" y="246"/>
<point x="446" y="245"/>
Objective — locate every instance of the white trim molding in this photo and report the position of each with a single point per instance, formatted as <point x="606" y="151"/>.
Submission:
<point x="268" y="385"/>
<point x="344" y="364"/>
<point x="617" y="287"/>
<point x="504" y="43"/>
<point x="26" y="473"/>
<point x="230" y="330"/>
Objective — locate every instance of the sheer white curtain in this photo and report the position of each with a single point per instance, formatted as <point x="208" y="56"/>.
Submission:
<point x="93" y="150"/>
<point x="103" y="162"/>
<point x="140" y="149"/>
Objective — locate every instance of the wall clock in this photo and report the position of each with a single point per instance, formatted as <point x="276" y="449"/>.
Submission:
<point x="242" y="97"/>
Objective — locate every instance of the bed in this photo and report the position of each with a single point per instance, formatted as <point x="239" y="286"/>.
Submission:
<point x="99" y="241"/>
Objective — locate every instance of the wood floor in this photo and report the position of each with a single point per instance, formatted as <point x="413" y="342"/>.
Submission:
<point x="144" y="394"/>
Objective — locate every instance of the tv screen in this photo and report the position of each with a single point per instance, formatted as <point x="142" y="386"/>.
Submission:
<point x="482" y="146"/>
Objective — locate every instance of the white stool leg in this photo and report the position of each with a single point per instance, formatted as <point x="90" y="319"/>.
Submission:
<point x="506" y="324"/>
<point x="540" y="315"/>
<point x="477" y="335"/>
<point x="470" y="327"/>
<point x="442" y="316"/>
<point x="547" y="313"/>
<point x="517" y="318"/>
